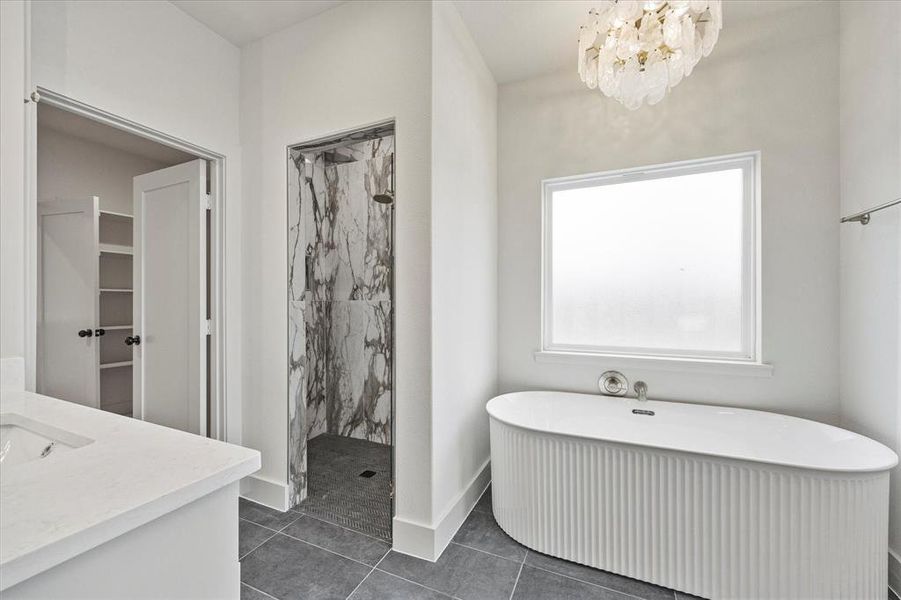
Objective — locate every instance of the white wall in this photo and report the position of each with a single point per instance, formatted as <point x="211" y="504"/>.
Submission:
<point x="70" y="167"/>
<point x="141" y="59"/>
<point x="348" y="67"/>
<point x="870" y="117"/>
<point x="153" y="64"/>
<point x="13" y="20"/>
<point x="770" y="85"/>
<point x="464" y="258"/>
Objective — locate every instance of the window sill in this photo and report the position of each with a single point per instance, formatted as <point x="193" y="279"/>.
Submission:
<point x="657" y="363"/>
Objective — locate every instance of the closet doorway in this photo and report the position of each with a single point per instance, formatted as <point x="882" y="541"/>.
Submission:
<point x="123" y="294"/>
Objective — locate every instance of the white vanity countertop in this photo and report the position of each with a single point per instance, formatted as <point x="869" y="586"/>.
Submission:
<point x="133" y="472"/>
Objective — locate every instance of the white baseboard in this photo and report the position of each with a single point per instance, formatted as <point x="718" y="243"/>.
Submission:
<point x="413" y="538"/>
<point x="265" y="491"/>
<point x="894" y="572"/>
<point x="429" y="541"/>
<point x="453" y="517"/>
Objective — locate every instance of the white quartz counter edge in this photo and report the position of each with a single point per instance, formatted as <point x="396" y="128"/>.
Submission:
<point x="132" y="473"/>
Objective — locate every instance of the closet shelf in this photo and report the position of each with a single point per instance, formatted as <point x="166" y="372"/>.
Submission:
<point x="115" y="215"/>
<point x="116" y="249"/>
<point x="115" y="327"/>
<point x="117" y="290"/>
<point x="113" y="365"/>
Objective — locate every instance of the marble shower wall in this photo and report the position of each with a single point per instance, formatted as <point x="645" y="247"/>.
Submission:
<point x="340" y="305"/>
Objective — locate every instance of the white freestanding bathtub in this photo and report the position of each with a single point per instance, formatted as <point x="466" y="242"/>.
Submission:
<point x="717" y="502"/>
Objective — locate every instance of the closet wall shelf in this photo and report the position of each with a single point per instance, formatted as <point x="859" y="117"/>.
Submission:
<point x="115" y="215"/>
<point x="114" y="365"/>
<point x="116" y="249"/>
<point x="115" y="327"/>
<point x="117" y="290"/>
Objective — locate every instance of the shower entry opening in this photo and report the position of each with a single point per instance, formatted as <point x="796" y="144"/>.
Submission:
<point x="341" y="203"/>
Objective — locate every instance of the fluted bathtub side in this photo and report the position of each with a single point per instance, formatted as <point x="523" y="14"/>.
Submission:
<point x="713" y="527"/>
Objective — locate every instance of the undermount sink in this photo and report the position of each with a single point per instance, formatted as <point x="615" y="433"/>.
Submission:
<point x="23" y="440"/>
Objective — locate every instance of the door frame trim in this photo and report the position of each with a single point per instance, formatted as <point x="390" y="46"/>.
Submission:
<point x="217" y="264"/>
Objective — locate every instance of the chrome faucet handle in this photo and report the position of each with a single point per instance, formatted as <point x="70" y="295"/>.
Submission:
<point x="613" y="383"/>
<point x="641" y="388"/>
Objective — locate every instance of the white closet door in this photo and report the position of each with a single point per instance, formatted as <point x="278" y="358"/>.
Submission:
<point x="68" y="352"/>
<point x="170" y="297"/>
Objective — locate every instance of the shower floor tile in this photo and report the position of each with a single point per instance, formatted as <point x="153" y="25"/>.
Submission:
<point x="338" y="493"/>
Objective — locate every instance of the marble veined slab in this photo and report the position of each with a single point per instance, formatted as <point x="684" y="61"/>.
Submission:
<point x="360" y="366"/>
<point x="340" y="261"/>
<point x="297" y="405"/>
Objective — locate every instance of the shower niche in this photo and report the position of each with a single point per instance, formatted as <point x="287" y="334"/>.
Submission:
<point x="341" y="328"/>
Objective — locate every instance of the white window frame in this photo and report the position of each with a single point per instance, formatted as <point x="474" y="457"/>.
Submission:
<point x="750" y="354"/>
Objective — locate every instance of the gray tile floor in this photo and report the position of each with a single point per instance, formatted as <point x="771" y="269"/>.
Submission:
<point x="298" y="556"/>
<point x="336" y="492"/>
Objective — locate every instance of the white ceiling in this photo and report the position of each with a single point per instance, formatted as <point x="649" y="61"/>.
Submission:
<point x="525" y="38"/>
<point x="71" y="124"/>
<point x="243" y="21"/>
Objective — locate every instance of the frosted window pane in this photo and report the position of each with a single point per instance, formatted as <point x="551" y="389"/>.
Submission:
<point x="649" y="265"/>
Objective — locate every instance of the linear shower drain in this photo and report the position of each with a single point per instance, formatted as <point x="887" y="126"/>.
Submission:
<point x="367" y="474"/>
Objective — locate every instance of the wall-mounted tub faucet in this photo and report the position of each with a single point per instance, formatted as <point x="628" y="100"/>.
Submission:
<point x="641" y="388"/>
<point x="613" y="383"/>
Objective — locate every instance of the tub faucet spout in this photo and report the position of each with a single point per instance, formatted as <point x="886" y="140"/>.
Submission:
<point x="641" y="388"/>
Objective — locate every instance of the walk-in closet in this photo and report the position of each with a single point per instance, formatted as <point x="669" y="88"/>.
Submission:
<point x="114" y="313"/>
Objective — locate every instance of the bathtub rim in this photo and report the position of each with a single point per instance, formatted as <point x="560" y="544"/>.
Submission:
<point x="713" y="455"/>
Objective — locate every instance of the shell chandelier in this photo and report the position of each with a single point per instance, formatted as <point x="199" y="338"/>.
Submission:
<point x="636" y="50"/>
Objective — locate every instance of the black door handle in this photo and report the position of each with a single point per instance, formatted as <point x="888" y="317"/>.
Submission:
<point x="99" y="332"/>
<point x="133" y="340"/>
<point x="85" y="333"/>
